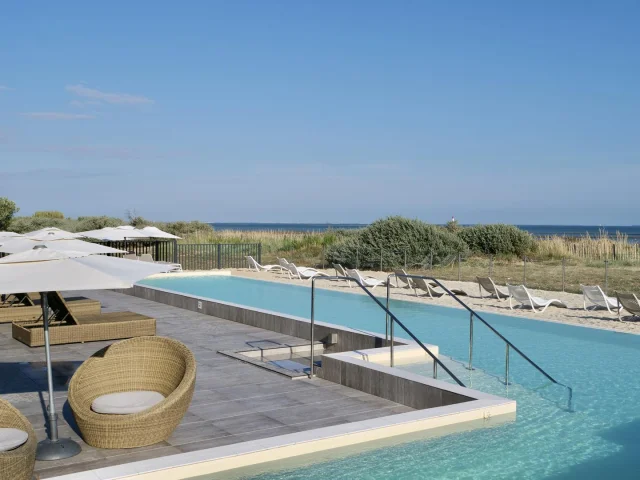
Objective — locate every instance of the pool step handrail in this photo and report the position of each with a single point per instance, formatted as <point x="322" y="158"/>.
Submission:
<point x="436" y="360"/>
<point x="472" y="314"/>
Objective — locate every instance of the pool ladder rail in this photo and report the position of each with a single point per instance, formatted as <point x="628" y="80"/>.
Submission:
<point x="392" y="319"/>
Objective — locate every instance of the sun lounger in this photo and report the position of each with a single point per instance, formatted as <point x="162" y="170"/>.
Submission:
<point x="253" y="265"/>
<point x="421" y="284"/>
<point x="521" y="294"/>
<point x="130" y="256"/>
<point x="16" y="299"/>
<point x="68" y="327"/>
<point x="304" y="273"/>
<point x="630" y="303"/>
<point x="595" y="295"/>
<point x="456" y="291"/>
<point x="492" y="288"/>
<point x="371" y="282"/>
<point x="24" y="312"/>
<point x="341" y="272"/>
<point x="402" y="281"/>
<point x="147" y="257"/>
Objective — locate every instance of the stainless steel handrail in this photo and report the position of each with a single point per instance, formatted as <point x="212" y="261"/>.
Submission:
<point x="436" y="361"/>
<point x="473" y="313"/>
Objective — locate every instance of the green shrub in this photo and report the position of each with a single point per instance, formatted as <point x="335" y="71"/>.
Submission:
<point x="497" y="239"/>
<point x="182" y="228"/>
<point x="8" y="209"/>
<point x="49" y="214"/>
<point x="82" y="224"/>
<point x="29" y="224"/>
<point x="392" y="238"/>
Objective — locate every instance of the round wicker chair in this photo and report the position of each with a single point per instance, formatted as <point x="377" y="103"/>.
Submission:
<point x="144" y="363"/>
<point x="17" y="464"/>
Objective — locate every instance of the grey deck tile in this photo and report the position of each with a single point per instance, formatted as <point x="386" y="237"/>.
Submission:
<point x="233" y="401"/>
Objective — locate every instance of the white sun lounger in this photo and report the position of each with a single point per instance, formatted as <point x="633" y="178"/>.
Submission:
<point x="492" y="288"/>
<point x="254" y="265"/>
<point x="404" y="281"/>
<point x="305" y="273"/>
<point x="371" y="282"/>
<point x="421" y="284"/>
<point x="147" y="257"/>
<point x="595" y="295"/>
<point x="630" y="303"/>
<point x="520" y="294"/>
<point x="341" y="272"/>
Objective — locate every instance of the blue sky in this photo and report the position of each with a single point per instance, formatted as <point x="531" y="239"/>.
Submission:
<point x="338" y="111"/>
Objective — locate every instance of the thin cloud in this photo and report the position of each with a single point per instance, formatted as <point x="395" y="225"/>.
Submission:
<point x="57" y="116"/>
<point x="113" y="98"/>
<point x="4" y="87"/>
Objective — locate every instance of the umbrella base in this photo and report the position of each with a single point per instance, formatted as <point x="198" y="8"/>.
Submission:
<point x="57" y="449"/>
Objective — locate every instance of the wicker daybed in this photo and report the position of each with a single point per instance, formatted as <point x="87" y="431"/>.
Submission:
<point x="68" y="327"/>
<point x="17" y="464"/>
<point x="24" y="308"/>
<point x="147" y="363"/>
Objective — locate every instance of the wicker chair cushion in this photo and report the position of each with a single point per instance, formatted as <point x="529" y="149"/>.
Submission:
<point x="11" y="438"/>
<point x="125" y="403"/>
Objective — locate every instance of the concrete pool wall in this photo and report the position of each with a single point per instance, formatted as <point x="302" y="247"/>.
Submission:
<point x="358" y="360"/>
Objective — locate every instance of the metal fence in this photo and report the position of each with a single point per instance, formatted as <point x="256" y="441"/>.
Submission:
<point x="207" y="256"/>
<point x="160" y="250"/>
<point x="556" y="274"/>
<point x="201" y="256"/>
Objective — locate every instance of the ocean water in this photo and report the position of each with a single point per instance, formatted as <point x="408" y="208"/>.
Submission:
<point x="287" y="227"/>
<point x="538" y="230"/>
<point x="599" y="438"/>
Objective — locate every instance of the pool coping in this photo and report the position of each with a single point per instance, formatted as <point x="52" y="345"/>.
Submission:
<point x="482" y="407"/>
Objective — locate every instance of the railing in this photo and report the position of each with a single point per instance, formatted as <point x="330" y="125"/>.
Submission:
<point x="197" y="256"/>
<point x="436" y="360"/>
<point x="472" y="314"/>
<point x="161" y="250"/>
<point x="207" y="256"/>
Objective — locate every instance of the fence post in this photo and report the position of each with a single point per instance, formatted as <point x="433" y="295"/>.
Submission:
<point x="323" y="256"/>
<point x="357" y="256"/>
<point x="431" y="260"/>
<point x="260" y="252"/>
<point x="606" y="276"/>
<point x="405" y="258"/>
<point x="563" y="270"/>
<point x="381" y="259"/>
<point x="219" y="263"/>
<point x="458" y="266"/>
<point x="175" y="251"/>
<point x="524" y="272"/>
<point x="491" y="266"/>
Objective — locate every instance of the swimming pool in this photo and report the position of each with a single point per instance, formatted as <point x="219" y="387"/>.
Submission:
<point x="601" y="437"/>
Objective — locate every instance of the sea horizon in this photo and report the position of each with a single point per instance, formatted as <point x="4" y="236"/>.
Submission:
<point x="541" y="230"/>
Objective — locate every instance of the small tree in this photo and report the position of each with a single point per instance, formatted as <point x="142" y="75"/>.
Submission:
<point x="452" y="225"/>
<point x="136" y="220"/>
<point x="8" y="209"/>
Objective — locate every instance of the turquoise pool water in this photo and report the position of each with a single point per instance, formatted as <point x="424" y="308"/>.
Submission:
<point x="601" y="437"/>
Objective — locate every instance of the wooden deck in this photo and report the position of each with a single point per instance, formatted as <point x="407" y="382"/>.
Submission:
<point x="233" y="402"/>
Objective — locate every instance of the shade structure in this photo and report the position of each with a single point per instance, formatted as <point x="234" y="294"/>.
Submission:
<point x="21" y="244"/>
<point x="51" y="233"/>
<point x="113" y="234"/>
<point x="155" y="232"/>
<point x="46" y="270"/>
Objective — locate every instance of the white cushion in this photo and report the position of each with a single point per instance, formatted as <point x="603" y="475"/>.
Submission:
<point x="125" y="403"/>
<point x="11" y="438"/>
